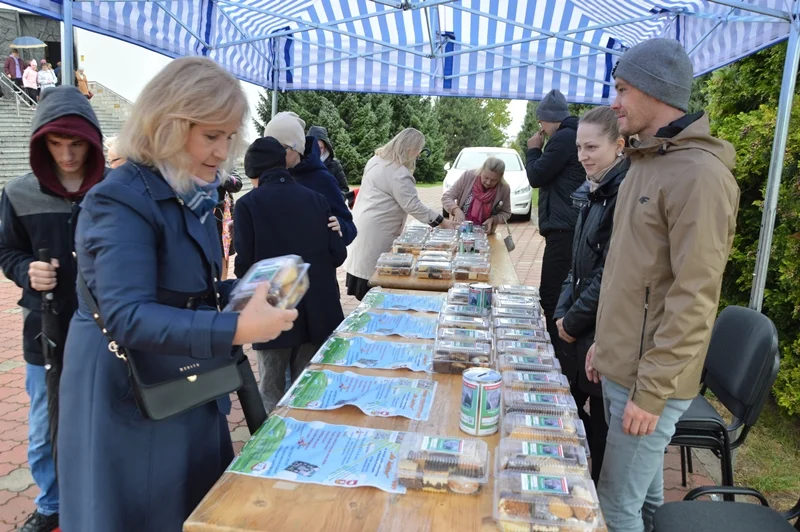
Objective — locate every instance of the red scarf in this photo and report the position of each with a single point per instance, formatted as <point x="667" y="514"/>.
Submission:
<point x="482" y="202"/>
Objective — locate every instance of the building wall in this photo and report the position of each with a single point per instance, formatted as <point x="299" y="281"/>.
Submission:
<point x="9" y="30"/>
<point x="14" y="24"/>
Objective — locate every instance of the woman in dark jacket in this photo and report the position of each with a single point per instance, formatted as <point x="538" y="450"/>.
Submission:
<point x="223" y="213"/>
<point x="600" y="148"/>
<point x="328" y="158"/>
<point x="261" y="233"/>
<point x="147" y="246"/>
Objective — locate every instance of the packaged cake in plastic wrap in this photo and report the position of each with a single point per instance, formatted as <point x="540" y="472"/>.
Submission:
<point x="443" y="465"/>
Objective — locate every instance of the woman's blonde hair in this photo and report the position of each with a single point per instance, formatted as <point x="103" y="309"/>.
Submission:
<point x="187" y="92"/>
<point x="404" y="148"/>
<point x="606" y="118"/>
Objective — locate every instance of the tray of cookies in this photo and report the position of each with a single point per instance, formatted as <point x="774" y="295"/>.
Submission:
<point x="434" y="269"/>
<point x="454" y="356"/>
<point x="288" y="283"/>
<point x="471" y="271"/>
<point x="540" y="363"/>
<point x="540" y="457"/>
<point x="443" y="465"/>
<point x="395" y="264"/>
<point x="517" y="334"/>
<point x="407" y="246"/>
<point x="517" y="290"/>
<point x="534" y="381"/>
<point x="545" y="503"/>
<point x="567" y="429"/>
<point x="465" y="310"/>
<point x="464" y="322"/>
<point x="546" y="403"/>
<point x="450" y="333"/>
<point x="510" y="347"/>
<point x="530" y="323"/>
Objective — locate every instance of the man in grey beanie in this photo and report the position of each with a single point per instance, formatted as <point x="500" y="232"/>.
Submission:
<point x="557" y="173"/>
<point x="673" y="228"/>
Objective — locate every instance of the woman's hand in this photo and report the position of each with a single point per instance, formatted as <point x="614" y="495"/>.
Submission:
<point x="489" y="225"/>
<point x="447" y="224"/>
<point x="261" y="322"/>
<point x="457" y="215"/>
<point x="563" y="334"/>
<point x="334" y="225"/>
<point x="591" y="373"/>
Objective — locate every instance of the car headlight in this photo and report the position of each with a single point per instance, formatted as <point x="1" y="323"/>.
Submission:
<point x="524" y="190"/>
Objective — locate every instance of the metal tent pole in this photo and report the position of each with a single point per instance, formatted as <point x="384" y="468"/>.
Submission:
<point x="67" y="47"/>
<point x="275" y="78"/>
<point x="776" y="163"/>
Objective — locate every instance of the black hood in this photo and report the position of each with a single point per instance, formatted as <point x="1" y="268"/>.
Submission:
<point x="571" y="122"/>
<point x="320" y="133"/>
<point x="264" y="154"/>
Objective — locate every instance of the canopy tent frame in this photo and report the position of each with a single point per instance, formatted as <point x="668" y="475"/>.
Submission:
<point x="440" y="47"/>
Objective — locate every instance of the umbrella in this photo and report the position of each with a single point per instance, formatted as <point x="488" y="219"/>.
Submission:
<point x="26" y="43"/>
<point x="52" y="363"/>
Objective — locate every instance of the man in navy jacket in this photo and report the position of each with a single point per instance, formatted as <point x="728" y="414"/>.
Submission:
<point x="282" y="217"/>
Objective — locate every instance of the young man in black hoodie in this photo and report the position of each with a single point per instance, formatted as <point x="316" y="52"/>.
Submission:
<point x="557" y="173"/>
<point x="262" y="233"/>
<point x="328" y="158"/>
<point x="36" y="211"/>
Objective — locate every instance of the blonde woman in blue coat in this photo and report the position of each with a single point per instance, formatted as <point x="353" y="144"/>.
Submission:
<point x="147" y="246"/>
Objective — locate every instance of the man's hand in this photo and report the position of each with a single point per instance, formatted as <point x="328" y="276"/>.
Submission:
<point x="591" y="373"/>
<point x="489" y="225"/>
<point x="457" y="215"/>
<point x="563" y="334"/>
<point x="42" y="275"/>
<point x="536" y="141"/>
<point x="638" y="422"/>
<point x="334" y="225"/>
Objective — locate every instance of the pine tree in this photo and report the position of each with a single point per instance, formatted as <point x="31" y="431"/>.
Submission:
<point x="529" y="126"/>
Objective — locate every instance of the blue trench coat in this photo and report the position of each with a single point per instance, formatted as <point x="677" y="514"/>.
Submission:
<point x="143" y="255"/>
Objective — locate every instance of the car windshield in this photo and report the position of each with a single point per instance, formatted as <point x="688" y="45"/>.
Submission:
<point x="474" y="159"/>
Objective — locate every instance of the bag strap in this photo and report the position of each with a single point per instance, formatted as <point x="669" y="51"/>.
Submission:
<point x="113" y="346"/>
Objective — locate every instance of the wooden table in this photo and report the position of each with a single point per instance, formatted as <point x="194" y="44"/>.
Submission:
<point x="240" y="503"/>
<point x="502" y="272"/>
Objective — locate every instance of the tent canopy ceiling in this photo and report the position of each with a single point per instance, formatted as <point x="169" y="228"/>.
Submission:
<point x="480" y="48"/>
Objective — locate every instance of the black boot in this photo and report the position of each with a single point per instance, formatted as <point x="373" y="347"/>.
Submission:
<point x="40" y="523"/>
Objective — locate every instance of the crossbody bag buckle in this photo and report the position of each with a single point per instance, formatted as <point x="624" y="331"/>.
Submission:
<point x="114" y="348"/>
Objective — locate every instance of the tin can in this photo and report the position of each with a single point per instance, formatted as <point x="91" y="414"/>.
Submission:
<point x="480" y="295"/>
<point x="466" y="226"/>
<point x="468" y="244"/>
<point x="480" y="401"/>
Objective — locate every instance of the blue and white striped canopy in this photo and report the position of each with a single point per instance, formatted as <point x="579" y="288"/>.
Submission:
<point x="483" y="48"/>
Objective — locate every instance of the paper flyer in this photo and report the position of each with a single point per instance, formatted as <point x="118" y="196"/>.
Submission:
<point x="319" y="453"/>
<point x="382" y="301"/>
<point x="363" y="353"/>
<point x="389" y="325"/>
<point x="375" y="396"/>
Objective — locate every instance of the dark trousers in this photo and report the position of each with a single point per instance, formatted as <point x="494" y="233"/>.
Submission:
<point x="556" y="264"/>
<point x="596" y="428"/>
<point x="32" y="94"/>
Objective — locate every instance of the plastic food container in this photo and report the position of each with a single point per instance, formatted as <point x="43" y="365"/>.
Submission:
<point x="434" y="270"/>
<point x="465" y="271"/>
<point x="463" y="322"/>
<point x="444" y="234"/>
<point x="543" y="457"/>
<point x="395" y="264"/>
<point x="528" y="363"/>
<point x="413" y="247"/>
<point x="518" y="290"/>
<point x="531" y="324"/>
<point x="510" y="347"/>
<point x="435" y="256"/>
<point x="453" y="357"/>
<point x="534" y="381"/>
<point x="524" y="335"/>
<point x="555" y="429"/>
<point x="515" y="301"/>
<point x="465" y="310"/>
<point x="288" y="283"/>
<point x="544" y="403"/>
<point x="448" y="333"/>
<point x="529" y="313"/>
<point x="459" y="294"/>
<point x="552" y="503"/>
<point x="443" y="465"/>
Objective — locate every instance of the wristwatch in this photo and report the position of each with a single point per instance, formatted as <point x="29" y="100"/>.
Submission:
<point x="439" y="219"/>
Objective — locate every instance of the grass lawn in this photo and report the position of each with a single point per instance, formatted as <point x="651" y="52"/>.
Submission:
<point x="769" y="461"/>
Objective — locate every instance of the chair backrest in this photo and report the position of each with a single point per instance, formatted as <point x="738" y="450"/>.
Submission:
<point x="743" y="361"/>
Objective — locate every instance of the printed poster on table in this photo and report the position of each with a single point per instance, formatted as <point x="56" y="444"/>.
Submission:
<point x="383" y="324"/>
<point x="375" y="396"/>
<point x="319" y="453"/>
<point x="379" y="300"/>
<point x="363" y="353"/>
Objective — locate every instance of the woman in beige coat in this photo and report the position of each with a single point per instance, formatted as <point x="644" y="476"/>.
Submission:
<point x="83" y="83"/>
<point x="388" y="195"/>
<point x="477" y="194"/>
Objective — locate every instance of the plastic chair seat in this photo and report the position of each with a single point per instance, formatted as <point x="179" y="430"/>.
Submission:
<point x="713" y="516"/>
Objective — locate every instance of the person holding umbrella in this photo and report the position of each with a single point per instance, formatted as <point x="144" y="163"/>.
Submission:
<point x="66" y="156"/>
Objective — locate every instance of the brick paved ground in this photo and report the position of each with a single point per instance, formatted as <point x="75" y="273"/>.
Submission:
<point x="17" y="490"/>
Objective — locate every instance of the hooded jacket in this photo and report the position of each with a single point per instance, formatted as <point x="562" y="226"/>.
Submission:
<point x="37" y="211"/>
<point x="580" y="293"/>
<point x="311" y="173"/>
<point x="673" y="230"/>
<point x="557" y="173"/>
<point x="331" y="163"/>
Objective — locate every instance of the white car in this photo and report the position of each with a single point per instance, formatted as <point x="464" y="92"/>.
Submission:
<point x="515" y="176"/>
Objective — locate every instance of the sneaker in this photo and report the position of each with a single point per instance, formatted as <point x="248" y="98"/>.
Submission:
<point x="40" y="523"/>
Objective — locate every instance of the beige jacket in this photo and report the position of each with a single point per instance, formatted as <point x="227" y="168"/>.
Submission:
<point x="673" y="230"/>
<point x="458" y="194"/>
<point x="387" y="196"/>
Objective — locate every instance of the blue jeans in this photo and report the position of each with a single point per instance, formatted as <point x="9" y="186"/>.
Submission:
<point x="40" y="450"/>
<point x="631" y="484"/>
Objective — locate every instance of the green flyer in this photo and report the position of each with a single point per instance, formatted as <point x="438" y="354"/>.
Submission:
<point x="363" y="353"/>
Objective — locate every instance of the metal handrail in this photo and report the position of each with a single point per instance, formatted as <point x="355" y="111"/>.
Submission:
<point x="19" y="96"/>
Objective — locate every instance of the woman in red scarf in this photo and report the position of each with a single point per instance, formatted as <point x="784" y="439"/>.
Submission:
<point x="476" y="195"/>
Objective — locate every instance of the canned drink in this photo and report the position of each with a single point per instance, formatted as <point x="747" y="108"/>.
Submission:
<point x="466" y="226"/>
<point x="480" y="295"/>
<point x="480" y="401"/>
<point x="468" y="244"/>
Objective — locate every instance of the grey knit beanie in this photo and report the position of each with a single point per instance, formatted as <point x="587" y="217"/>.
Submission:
<point x="553" y="107"/>
<point x="660" y="68"/>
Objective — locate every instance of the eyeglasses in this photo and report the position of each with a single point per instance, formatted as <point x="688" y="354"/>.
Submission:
<point x="112" y="161"/>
